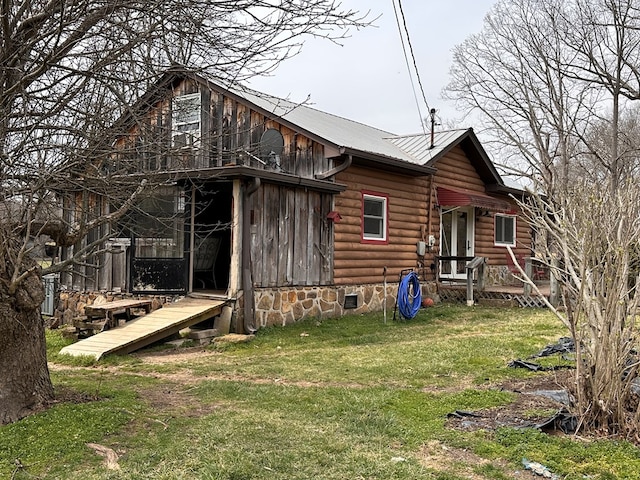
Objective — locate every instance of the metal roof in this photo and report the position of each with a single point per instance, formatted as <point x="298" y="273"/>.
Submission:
<point x="339" y="131"/>
<point x="359" y="139"/>
<point x="352" y="135"/>
<point x="419" y="145"/>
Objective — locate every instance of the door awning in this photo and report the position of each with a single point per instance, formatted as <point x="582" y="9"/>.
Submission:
<point x="463" y="198"/>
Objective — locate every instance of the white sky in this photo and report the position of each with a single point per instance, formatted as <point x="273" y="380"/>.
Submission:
<point x="367" y="80"/>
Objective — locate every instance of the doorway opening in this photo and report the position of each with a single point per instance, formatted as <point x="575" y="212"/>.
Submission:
<point x="212" y="222"/>
<point x="457" y="226"/>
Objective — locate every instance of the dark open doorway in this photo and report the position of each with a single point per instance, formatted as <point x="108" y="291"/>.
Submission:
<point x="213" y="210"/>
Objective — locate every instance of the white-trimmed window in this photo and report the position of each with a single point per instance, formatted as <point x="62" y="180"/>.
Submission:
<point x="374" y="217"/>
<point x="186" y="117"/>
<point x="505" y="230"/>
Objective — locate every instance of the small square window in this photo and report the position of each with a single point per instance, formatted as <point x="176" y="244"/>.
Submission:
<point x="374" y="217"/>
<point x="505" y="230"/>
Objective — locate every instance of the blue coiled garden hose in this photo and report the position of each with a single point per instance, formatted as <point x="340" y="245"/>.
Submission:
<point x="409" y="296"/>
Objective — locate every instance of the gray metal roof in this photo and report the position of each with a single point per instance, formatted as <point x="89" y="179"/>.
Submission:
<point x="336" y="130"/>
<point x="353" y="135"/>
<point x="365" y="141"/>
<point x="419" y="145"/>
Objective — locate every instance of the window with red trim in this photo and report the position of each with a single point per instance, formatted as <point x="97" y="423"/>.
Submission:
<point x="374" y="217"/>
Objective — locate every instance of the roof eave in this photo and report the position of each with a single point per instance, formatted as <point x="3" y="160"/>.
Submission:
<point x="232" y="172"/>
<point x="472" y="147"/>
<point x="506" y="190"/>
<point x="390" y="164"/>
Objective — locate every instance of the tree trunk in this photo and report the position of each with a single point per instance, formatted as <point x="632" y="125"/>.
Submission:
<point x="25" y="385"/>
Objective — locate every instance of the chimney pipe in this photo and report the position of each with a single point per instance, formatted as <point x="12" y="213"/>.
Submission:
<point x="432" y="114"/>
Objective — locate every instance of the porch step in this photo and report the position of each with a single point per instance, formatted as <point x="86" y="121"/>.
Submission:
<point x="492" y="296"/>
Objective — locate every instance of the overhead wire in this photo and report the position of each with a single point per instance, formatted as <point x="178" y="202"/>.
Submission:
<point x="404" y="34"/>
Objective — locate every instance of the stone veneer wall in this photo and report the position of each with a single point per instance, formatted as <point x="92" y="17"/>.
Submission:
<point x="70" y="304"/>
<point x="286" y="305"/>
<point x="499" y="275"/>
<point x="273" y="306"/>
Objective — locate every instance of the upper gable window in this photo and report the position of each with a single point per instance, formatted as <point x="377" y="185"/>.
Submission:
<point x="186" y="117"/>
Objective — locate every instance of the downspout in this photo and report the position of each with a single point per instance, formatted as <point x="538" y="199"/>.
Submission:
<point x="430" y="207"/>
<point x="430" y="225"/>
<point x="346" y="164"/>
<point x="247" y="284"/>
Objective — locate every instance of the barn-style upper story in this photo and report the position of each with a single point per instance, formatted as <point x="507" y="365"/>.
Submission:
<point x="190" y="123"/>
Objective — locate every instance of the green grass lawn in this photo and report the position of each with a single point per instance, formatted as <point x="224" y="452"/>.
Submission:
<point x="348" y="398"/>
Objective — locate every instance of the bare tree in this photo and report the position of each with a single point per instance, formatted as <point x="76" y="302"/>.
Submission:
<point x="553" y="79"/>
<point x="68" y="71"/>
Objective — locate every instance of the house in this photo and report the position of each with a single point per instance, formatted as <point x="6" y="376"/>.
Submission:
<point x="299" y="211"/>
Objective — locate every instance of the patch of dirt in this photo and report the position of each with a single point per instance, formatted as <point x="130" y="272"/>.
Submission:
<point x="174" y="400"/>
<point x="64" y="394"/>
<point x="174" y="356"/>
<point x="554" y="380"/>
<point x="530" y="407"/>
<point x="437" y="456"/>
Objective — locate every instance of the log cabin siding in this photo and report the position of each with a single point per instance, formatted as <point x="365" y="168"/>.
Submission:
<point x="356" y="262"/>
<point x="497" y="254"/>
<point x="456" y="171"/>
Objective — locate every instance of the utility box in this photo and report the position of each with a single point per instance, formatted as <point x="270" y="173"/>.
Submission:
<point x="50" y="290"/>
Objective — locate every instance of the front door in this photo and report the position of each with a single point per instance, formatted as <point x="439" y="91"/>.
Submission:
<point x="456" y="240"/>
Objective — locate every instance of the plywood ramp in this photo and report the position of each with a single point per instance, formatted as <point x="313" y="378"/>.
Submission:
<point x="146" y="330"/>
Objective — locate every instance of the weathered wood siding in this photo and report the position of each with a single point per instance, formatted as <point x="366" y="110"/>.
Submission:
<point x="357" y="262"/>
<point x="230" y="135"/>
<point x="456" y="171"/>
<point x="291" y="238"/>
<point x="95" y="271"/>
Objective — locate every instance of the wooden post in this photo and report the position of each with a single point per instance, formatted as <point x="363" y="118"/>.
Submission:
<point x="192" y="237"/>
<point x="554" y="292"/>
<point x="481" y="276"/>
<point x="470" y="287"/>
<point x="384" y="293"/>
<point x="476" y="263"/>
<point x="528" y="270"/>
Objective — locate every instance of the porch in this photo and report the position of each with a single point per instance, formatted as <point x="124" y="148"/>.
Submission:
<point x="473" y="287"/>
<point x="499" y="295"/>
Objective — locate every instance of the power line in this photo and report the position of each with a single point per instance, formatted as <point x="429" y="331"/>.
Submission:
<point x="413" y="58"/>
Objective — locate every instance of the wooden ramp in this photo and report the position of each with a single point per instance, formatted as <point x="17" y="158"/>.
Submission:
<point x="143" y="331"/>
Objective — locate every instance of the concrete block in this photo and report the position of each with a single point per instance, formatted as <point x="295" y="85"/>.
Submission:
<point x="200" y="334"/>
<point x="222" y="322"/>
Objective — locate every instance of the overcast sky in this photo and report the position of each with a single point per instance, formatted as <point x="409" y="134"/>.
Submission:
<point x="366" y="79"/>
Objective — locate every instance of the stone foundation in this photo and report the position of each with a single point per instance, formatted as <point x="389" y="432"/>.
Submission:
<point x="499" y="275"/>
<point x="283" y="306"/>
<point x="70" y="304"/>
<point x="273" y="306"/>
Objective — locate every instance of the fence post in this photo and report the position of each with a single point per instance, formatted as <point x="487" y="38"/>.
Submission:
<point x="528" y="270"/>
<point x="477" y="262"/>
